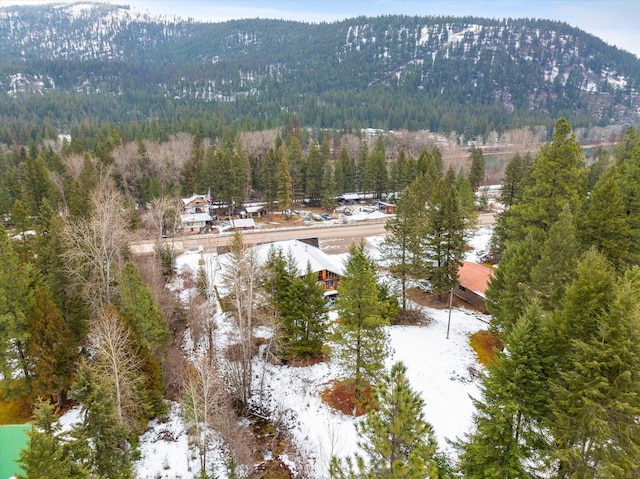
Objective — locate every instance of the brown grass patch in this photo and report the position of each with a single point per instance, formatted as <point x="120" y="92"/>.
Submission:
<point x="485" y="344"/>
<point x="15" y="411"/>
<point x="342" y="397"/>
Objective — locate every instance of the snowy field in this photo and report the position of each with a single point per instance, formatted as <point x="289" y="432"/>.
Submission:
<point x="444" y="371"/>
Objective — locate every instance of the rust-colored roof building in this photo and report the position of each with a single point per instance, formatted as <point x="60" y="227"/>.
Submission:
<point x="473" y="281"/>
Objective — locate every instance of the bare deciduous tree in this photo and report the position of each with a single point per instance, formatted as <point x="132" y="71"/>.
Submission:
<point x="97" y="246"/>
<point x="110" y="342"/>
<point x="240" y="278"/>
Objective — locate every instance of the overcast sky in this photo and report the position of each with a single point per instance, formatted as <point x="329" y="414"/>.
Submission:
<point x="617" y="22"/>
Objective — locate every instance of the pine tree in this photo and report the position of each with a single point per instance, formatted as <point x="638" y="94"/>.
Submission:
<point x="629" y="186"/>
<point x="100" y="441"/>
<point x="507" y="437"/>
<point x="304" y="317"/>
<point x="328" y="192"/>
<point x="405" y="248"/>
<point x="476" y="172"/>
<point x="603" y="222"/>
<point x="285" y="198"/>
<point x="48" y="454"/>
<point x="556" y="268"/>
<point x="596" y="395"/>
<point x="585" y="299"/>
<point x="16" y="298"/>
<point x="558" y="176"/>
<point x="445" y="235"/>
<point x="313" y="173"/>
<point x="508" y="292"/>
<point x="359" y="336"/>
<point x="137" y="301"/>
<point x="397" y="440"/>
<point x="345" y="173"/>
<point x="50" y="349"/>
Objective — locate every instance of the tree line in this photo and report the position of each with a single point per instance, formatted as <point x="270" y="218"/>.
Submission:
<point x="562" y="399"/>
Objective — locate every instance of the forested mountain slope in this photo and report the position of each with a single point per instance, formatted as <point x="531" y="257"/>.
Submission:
<point x="471" y="75"/>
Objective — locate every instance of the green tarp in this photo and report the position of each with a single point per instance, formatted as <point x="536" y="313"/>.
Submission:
<point x="13" y="438"/>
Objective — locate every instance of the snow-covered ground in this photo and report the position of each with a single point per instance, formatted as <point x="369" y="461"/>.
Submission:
<point x="444" y="371"/>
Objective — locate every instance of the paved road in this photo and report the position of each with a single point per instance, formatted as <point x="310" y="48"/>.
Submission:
<point x="322" y="231"/>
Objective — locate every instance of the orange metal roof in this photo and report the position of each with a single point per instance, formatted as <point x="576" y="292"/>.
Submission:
<point x="474" y="277"/>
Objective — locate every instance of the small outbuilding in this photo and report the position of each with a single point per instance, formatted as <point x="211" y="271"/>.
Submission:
<point x="388" y="208"/>
<point x="473" y="280"/>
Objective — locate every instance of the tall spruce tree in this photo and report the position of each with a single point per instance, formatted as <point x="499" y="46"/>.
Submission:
<point x="509" y="290"/>
<point x="558" y="176"/>
<point x="397" y="440"/>
<point x="359" y="335"/>
<point x="596" y="394"/>
<point x="603" y="222"/>
<point x="48" y="454"/>
<point x="137" y="301"/>
<point x="445" y="235"/>
<point x="507" y="435"/>
<point x="629" y="186"/>
<point x="305" y="319"/>
<point x="404" y="249"/>
<point x="476" y="171"/>
<point x="285" y="184"/>
<point x="49" y="349"/>
<point x="16" y="296"/>
<point x="557" y="265"/>
<point x="99" y="441"/>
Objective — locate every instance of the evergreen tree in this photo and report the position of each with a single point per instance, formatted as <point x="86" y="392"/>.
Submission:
<point x="476" y="172"/>
<point x="99" y="442"/>
<point x="359" y="336"/>
<point x="586" y="299"/>
<point x="375" y="170"/>
<point x="345" y="172"/>
<point x="328" y="192"/>
<point x="405" y="248"/>
<point x="37" y="183"/>
<point x="629" y="186"/>
<point x="313" y="173"/>
<point x="445" y="235"/>
<point x="558" y="177"/>
<point x="508" y="292"/>
<point x="285" y="193"/>
<point x="304" y="317"/>
<point x="49" y="349"/>
<point x="268" y="178"/>
<point x="397" y="440"/>
<point x="507" y="437"/>
<point x="137" y="301"/>
<point x="295" y="161"/>
<point x="48" y="454"/>
<point x="516" y="175"/>
<point x="596" y="397"/>
<point x="557" y="265"/>
<point x="15" y="302"/>
<point x="603" y="222"/>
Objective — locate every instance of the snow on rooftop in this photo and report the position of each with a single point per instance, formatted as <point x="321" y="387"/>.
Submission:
<point x="445" y="372"/>
<point x="303" y="254"/>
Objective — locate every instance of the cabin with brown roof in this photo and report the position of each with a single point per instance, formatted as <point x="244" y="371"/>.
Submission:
<point x="473" y="280"/>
